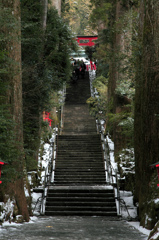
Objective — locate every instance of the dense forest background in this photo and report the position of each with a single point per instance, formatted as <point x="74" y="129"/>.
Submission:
<point x="76" y="14"/>
<point x="127" y="80"/>
<point x="34" y="55"/>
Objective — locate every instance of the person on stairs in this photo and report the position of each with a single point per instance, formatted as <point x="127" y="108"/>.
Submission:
<point x="83" y="69"/>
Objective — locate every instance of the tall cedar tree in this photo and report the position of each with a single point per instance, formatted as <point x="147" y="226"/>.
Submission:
<point x="116" y="46"/>
<point x="14" y="96"/>
<point x="147" y="103"/>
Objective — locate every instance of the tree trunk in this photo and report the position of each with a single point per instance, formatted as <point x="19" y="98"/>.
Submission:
<point x="146" y="103"/>
<point x="15" y="98"/>
<point x="57" y="5"/>
<point x="117" y="47"/>
<point x="44" y="4"/>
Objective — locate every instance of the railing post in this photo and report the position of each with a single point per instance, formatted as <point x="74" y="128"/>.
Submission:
<point x="118" y="192"/>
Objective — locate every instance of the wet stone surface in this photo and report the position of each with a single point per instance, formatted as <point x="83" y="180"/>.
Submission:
<point x="72" y="228"/>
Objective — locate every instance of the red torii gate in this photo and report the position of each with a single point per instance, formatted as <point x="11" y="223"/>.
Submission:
<point x="86" y="40"/>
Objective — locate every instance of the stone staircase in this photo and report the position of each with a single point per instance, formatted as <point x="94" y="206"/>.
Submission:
<point x="79" y="160"/>
<point x="79" y="186"/>
<point x="77" y="120"/>
<point x="80" y="201"/>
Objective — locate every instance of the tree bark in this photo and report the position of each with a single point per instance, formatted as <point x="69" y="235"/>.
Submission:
<point x="44" y="4"/>
<point x="15" y="100"/>
<point x="146" y="103"/>
<point x="117" y="48"/>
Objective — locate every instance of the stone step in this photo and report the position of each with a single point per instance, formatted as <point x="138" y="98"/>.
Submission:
<point x="83" y="169"/>
<point x="76" y="173"/>
<point x="79" y="179"/>
<point x="80" y="122"/>
<point x="73" y="159"/>
<point x="83" y="204"/>
<point x="61" y="177"/>
<point x="79" y="141"/>
<point x="95" y="158"/>
<point x="81" y="154"/>
<point x="82" y="160"/>
<point x="86" y="152"/>
<point x="94" y="190"/>
<point x="72" y="175"/>
<point x="80" y="213"/>
<point x="80" y="133"/>
<point x="86" y="199"/>
<point x="81" y="208"/>
<point x="77" y="176"/>
<point x="81" y="147"/>
<point x="79" y="163"/>
<point x="76" y="113"/>
<point x="79" y="127"/>
<point x="64" y="164"/>
<point x="72" y="132"/>
<point x="78" y="183"/>
<point x="76" y="169"/>
<point x="80" y="193"/>
<point x="76" y="116"/>
<point x="86" y="174"/>
<point x="78" y="144"/>
<point x="82" y="150"/>
<point x="79" y="137"/>
<point x="82" y="139"/>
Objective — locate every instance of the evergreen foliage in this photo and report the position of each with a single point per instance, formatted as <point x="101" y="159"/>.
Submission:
<point x="8" y="152"/>
<point x="99" y="103"/>
<point x="77" y="15"/>
<point x="46" y="66"/>
<point x="100" y="13"/>
<point x="115" y="59"/>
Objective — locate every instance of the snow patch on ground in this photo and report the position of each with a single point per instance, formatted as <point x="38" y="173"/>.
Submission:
<point x="137" y="226"/>
<point x="128" y="210"/>
<point x="156" y="200"/>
